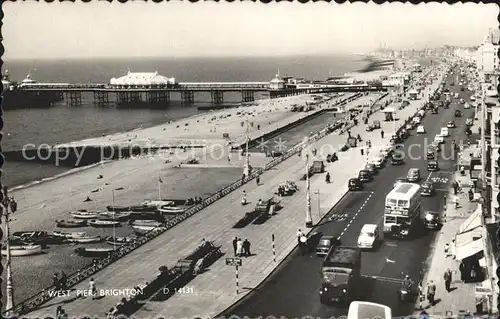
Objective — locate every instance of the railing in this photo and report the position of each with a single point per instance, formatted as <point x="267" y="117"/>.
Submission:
<point x="33" y="302"/>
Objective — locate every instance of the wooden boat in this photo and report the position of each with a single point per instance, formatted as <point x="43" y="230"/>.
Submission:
<point x="142" y="208"/>
<point x="86" y="239"/>
<point x="119" y="241"/>
<point x="23" y="250"/>
<point x="146" y="222"/>
<point x="172" y="210"/>
<point x="84" y="214"/>
<point x="69" y="235"/>
<point x="143" y="229"/>
<point x="115" y="208"/>
<point x="94" y="251"/>
<point x="71" y="223"/>
<point x="157" y="203"/>
<point x="104" y="223"/>
<point x="154" y="216"/>
<point x="114" y="216"/>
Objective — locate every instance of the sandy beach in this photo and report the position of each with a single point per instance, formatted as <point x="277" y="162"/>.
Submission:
<point x="134" y="180"/>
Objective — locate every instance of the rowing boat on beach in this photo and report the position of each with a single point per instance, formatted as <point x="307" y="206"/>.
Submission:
<point x="86" y="239"/>
<point x="68" y="234"/>
<point x="23" y="250"/>
<point x="114" y="208"/>
<point x="71" y="223"/>
<point x="104" y="223"/>
<point x="94" y="251"/>
<point x="114" y="216"/>
<point x="84" y="214"/>
<point x="172" y="210"/>
<point x="119" y="241"/>
<point x="143" y="229"/>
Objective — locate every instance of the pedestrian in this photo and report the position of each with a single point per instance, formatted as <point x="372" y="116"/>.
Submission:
<point x="63" y="281"/>
<point x="59" y="311"/>
<point x="348" y="133"/>
<point x="92" y="288"/>
<point x="362" y="151"/>
<point x="455" y="187"/>
<point x="327" y="178"/>
<point x="257" y="180"/>
<point x="471" y="195"/>
<point x="246" y="248"/>
<point x="382" y="134"/>
<point x="303" y="244"/>
<point x="235" y="245"/>
<point x="56" y="281"/>
<point x="239" y="248"/>
<point x="457" y="202"/>
<point x="447" y="279"/>
<point x="431" y="293"/>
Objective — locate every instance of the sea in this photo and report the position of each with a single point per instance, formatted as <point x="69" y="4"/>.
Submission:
<point x="62" y="123"/>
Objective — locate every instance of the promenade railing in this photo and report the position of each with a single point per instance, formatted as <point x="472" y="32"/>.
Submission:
<point x="34" y="302"/>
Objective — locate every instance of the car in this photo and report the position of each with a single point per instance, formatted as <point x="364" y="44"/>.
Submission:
<point x="365" y="176"/>
<point x="444" y="132"/>
<point x="439" y="139"/>
<point x="436" y="146"/>
<point x="410" y="126"/>
<point x="432" y="166"/>
<point x="413" y="175"/>
<point x="458" y="113"/>
<point x="397" y="159"/>
<point x="369" y="236"/>
<point x="457" y="95"/>
<point x="325" y="244"/>
<point x="420" y="129"/>
<point x="466" y="105"/>
<point x="435" y="111"/>
<point x="469" y="122"/>
<point x="427" y="189"/>
<point x="451" y="124"/>
<point x="440" y="104"/>
<point x="416" y="120"/>
<point x="462" y="101"/>
<point x="386" y="151"/>
<point x="472" y="97"/>
<point x="370" y="167"/>
<point x="378" y="161"/>
<point x="430" y="155"/>
<point x="355" y="184"/>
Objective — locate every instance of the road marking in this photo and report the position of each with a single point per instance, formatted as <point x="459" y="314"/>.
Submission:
<point x="356" y="215"/>
<point x="428" y="177"/>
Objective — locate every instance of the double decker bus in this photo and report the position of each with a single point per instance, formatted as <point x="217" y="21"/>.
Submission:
<point x="368" y="310"/>
<point x="402" y="209"/>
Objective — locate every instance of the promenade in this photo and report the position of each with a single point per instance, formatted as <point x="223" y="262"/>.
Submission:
<point x="214" y="290"/>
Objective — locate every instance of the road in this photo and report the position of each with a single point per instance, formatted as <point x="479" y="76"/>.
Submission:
<point x="292" y="290"/>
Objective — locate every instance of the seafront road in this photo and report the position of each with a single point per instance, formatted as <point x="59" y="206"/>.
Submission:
<point x="292" y="290"/>
<point x="214" y="290"/>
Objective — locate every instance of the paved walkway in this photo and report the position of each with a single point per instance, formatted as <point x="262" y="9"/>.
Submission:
<point x="461" y="299"/>
<point x="214" y="290"/>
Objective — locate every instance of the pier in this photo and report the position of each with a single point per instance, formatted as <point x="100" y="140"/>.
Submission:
<point x="137" y="89"/>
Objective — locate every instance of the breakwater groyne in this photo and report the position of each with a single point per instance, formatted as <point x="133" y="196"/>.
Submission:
<point x="78" y="156"/>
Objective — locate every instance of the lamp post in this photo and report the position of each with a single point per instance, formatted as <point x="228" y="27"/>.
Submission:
<point x="246" y="167"/>
<point x="319" y="205"/>
<point x="309" y="222"/>
<point x="6" y="204"/>
<point x="483" y="135"/>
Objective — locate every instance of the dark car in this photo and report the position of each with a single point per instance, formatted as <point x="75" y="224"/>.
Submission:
<point x="397" y="159"/>
<point x="458" y="113"/>
<point x="371" y="168"/>
<point x="325" y="244"/>
<point x="432" y="166"/>
<point x="355" y="184"/>
<point x="430" y="155"/>
<point x="365" y="176"/>
<point x="427" y="189"/>
<point x="435" y="110"/>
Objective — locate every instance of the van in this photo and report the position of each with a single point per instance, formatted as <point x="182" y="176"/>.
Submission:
<point x="444" y="132"/>
<point x="413" y="175"/>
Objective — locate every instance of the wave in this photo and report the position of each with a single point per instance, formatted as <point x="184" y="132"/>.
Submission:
<point x="67" y="173"/>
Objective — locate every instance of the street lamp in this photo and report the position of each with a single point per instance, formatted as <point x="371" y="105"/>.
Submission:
<point x="6" y="204"/>
<point x="309" y="222"/>
<point x="319" y="205"/>
<point x="246" y="168"/>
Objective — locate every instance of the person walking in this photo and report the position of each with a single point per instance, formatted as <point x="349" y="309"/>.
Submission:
<point x="246" y="248"/>
<point x="92" y="288"/>
<point x="239" y="248"/>
<point x="56" y="282"/>
<point x="455" y="187"/>
<point x="257" y="180"/>
<point x="382" y="134"/>
<point x="327" y="178"/>
<point x="63" y="281"/>
<point x="447" y="279"/>
<point x="235" y="245"/>
<point x="431" y="293"/>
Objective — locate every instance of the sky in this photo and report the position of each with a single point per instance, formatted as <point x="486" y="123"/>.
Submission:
<point x="39" y="30"/>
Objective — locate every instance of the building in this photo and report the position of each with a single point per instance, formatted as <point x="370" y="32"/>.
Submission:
<point x="142" y="80"/>
<point x="487" y="55"/>
<point x="277" y="83"/>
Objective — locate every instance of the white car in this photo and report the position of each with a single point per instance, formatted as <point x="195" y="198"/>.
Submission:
<point x="368" y="236"/>
<point x="420" y="129"/>
<point x="472" y="98"/>
<point x="450" y="124"/>
<point x="378" y="161"/>
<point x="466" y="105"/>
<point x="439" y="139"/>
<point x="416" y="120"/>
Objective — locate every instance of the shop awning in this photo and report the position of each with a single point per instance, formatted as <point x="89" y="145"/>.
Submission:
<point x="475" y="220"/>
<point x="467" y="249"/>
<point x="389" y="110"/>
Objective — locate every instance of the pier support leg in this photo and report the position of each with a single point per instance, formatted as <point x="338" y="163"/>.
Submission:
<point x="101" y="98"/>
<point x="217" y="97"/>
<point x="247" y="96"/>
<point x="187" y="97"/>
<point x="164" y="97"/>
<point x="74" y="98"/>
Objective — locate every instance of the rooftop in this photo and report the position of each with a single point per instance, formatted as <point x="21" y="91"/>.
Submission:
<point x="141" y="78"/>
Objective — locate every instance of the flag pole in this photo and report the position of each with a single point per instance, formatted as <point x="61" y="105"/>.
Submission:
<point x="159" y="187"/>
